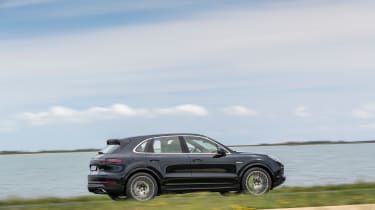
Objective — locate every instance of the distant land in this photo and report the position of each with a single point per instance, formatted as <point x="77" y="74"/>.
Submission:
<point x="288" y="143"/>
<point x="297" y="143"/>
<point x="46" y="151"/>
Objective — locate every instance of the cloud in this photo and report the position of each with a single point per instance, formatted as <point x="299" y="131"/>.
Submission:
<point x="239" y="111"/>
<point x="365" y="111"/>
<point x="302" y="111"/>
<point x="57" y="114"/>
<point x="228" y="37"/>
<point x="230" y="40"/>
<point x="190" y="109"/>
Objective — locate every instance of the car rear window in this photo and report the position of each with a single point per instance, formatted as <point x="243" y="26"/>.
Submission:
<point x="109" y="149"/>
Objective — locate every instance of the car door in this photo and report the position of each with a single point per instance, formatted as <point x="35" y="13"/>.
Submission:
<point x="208" y="169"/>
<point x="166" y="155"/>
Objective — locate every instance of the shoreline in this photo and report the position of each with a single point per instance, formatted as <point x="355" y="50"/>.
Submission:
<point x="288" y="143"/>
<point x="300" y="143"/>
<point x="46" y="152"/>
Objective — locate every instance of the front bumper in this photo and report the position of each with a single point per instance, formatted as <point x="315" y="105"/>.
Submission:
<point x="278" y="181"/>
<point x="279" y="178"/>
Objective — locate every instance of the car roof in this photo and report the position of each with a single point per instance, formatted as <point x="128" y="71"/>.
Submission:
<point x="143" y="137"/>
<point x="162" y="134"/>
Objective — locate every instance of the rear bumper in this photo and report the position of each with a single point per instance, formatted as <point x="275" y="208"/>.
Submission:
<point x="105" y="184"/>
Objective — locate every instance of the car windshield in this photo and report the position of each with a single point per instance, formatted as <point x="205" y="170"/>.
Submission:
<point x="109" y="149"/>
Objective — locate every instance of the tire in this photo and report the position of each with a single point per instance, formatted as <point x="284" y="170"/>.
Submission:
<point x="256" y="181"/>
<point x="141" y="187"/>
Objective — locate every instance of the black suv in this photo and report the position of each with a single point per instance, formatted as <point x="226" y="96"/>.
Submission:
<point x="144" y="166"/>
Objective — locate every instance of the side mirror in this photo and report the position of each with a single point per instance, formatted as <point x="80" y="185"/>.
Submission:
<point x="220" y="152"/>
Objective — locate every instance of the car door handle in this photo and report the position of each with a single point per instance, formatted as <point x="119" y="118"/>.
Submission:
<point x="154" y="160"/>
<point x="197" y="160"/>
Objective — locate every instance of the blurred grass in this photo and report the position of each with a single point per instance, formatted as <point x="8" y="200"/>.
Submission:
<point x="344" y="194"/>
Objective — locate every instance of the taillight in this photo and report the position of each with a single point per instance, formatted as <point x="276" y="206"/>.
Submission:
<point x="107" y="182"/>
<point x="112" y="160"/>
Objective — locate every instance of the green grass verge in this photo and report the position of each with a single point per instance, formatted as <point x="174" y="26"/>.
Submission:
<point x="358" y="193"/>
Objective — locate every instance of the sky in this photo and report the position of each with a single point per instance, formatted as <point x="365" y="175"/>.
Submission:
<point x="74" y="73"/>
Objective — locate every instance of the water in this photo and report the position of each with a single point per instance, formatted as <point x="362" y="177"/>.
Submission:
<point x="65" y="174"/>
<point x="36" y="175"/>
<point x="323" y="164"/>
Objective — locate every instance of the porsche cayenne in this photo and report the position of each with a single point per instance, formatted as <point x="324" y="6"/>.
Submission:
<point x="142" y="167"/>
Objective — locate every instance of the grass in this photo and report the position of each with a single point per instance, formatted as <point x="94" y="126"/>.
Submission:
<point x="344" y="194"/>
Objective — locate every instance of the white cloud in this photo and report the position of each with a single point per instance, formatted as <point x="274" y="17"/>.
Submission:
<point x="124" y="110"/>
<point x="229" y="41"/>
<point x="302" y="111"/>
<point x="292" y="37"/>
<point x="239" y="110"/>
<point x="364" y="112"/>
<point x="190" y="109"/>
<point x="64" y="114"/>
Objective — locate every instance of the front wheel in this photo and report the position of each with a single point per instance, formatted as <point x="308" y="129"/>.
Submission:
<point x="256" y="181"/>
<point x="142" y="187"/>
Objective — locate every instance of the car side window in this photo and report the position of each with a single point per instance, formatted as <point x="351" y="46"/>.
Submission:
<point x="142" y="147"/>
<point x="167" y="145"/>
<point x="156" y="147"/>
<point x="200" y="145"/>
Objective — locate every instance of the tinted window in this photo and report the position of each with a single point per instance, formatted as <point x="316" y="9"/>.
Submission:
<point x="109" y="149"/>
<point x="142" y="147"/>
<point x="166" y="145"/>
<point x="200" y="145"/>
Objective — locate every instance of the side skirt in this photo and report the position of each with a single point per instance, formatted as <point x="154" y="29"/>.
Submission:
<point x="213" y="188"/>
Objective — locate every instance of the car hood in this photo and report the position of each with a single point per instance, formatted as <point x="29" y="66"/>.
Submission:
<point x="251" y="154"/>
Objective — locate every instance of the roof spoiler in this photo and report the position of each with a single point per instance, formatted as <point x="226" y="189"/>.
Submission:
<point x="113" y="142"/>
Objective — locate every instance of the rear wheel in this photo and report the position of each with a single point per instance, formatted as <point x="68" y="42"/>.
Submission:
<point x="142" y="187"/>
<point x="256" y="181"/>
